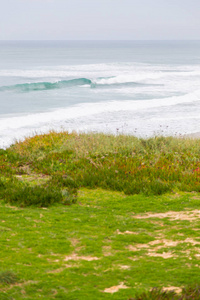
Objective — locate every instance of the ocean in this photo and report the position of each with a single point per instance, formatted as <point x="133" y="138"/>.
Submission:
<point x="142" y="88"/>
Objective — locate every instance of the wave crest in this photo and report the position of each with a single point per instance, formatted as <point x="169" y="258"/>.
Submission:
<point x="104" y="82"/>
<point x="40" y="86"/>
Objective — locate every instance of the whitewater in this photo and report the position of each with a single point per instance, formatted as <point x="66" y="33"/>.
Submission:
<point x="137" y="88"/>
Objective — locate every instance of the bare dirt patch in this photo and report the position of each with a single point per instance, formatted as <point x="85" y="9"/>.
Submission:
<point x="156" y="245"/>
<point x="124" y="267"/>
<point x="116" y="288"/>
<point x="177" y="290"/>
<point x="151" y="252"/>
<point x="76" y="257"/>
<point x="172" y="215"/>
<point x="164" y="242"/>
<point x="138" y="247"/>
<point x="191" y="241"/>
<point x="164" y="255"/>
<point x="126" y="232"/>
<point x="60" y="270"/>
<point x="134" y="258"/>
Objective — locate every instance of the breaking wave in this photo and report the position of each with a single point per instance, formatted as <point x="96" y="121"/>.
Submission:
<point x="40" y="86"/>
<point x="98" y="83"/>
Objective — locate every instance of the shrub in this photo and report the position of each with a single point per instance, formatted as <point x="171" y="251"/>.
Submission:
<point x="63" y="181"/>
<point x="16" y="192"/>
<point x="8" y="277"/>
<point x="125" y="163"/>
<point x="33" y="195"/>
<point x="188" y="293"/>
<point x="157" y="294"/>
<point x="69" y="196"/>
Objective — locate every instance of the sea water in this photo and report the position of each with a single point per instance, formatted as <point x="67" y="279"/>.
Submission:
<point x="142" y="88"/>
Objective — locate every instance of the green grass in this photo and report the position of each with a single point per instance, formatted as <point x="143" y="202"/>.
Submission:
<point x="79" y="251"/>
<point x="82" y="214"/>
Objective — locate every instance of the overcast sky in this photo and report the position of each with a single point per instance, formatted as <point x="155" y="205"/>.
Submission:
<point x="99" y="19"/>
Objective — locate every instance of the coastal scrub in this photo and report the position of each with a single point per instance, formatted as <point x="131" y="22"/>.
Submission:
<point x="122" y="163"/>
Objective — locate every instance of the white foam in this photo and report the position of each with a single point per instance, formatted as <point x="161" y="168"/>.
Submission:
<point x="88" y="115"/>
<point x="137" y="77"/>
<point x="86" y="109"/>
<point x="131" y="71"/>
<point x="146" y="114"/>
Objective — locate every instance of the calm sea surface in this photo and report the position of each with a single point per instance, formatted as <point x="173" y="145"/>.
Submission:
<point x="140" y="88"/>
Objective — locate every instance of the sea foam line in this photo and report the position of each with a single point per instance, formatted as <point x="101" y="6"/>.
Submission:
<point x="87" y="109"/>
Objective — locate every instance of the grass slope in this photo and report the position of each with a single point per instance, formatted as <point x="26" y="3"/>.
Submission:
<point x="103" y="241"/>
<point x="123" y="163"/>
<point x="133" y="225"/>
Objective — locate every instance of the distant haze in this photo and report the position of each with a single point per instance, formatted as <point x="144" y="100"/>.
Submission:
<point x="99" y="19"/>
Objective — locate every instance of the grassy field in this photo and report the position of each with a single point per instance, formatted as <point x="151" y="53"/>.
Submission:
<point x="99" y="217"/>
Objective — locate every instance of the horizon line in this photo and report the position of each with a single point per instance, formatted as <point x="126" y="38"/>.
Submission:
<point x="99" y="40"/>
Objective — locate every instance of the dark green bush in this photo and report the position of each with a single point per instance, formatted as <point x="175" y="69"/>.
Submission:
<point x="8" y="277"/>
<point x="63" y="181"/>
<point x="19" y="193"/>
<point x="33" y="195"/>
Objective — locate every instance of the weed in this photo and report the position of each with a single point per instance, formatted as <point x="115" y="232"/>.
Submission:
<point x="33" y="195"/>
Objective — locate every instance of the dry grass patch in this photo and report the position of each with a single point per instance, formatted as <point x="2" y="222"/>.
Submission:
<point x="124" y="267"/>
<point x="172" y="215"/>
<point x="156" y="245"/>
<point x="175" y="289"/>
<point x="126" y="232"/>
<point x="164" y="255"/>
<point x="76" y="257"/>
<point x="116" y="288"/>
<point x="137" y="247"/>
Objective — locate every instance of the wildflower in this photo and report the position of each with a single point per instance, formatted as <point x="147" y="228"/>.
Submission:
<point x="197" y="170"/>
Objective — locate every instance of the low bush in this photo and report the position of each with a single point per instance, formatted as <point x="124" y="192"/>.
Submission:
<point x="19" y="193"/>
<point x="33" y="195"/>
<point x="8" y="277"/>
<point x="63" y="181"/>
<point x="188" y="293"/>
<point x="125" y="163"/>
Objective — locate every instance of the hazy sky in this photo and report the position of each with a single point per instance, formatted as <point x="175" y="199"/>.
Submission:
<point x="99" y="19"/>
